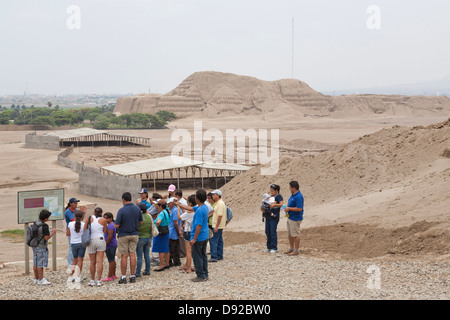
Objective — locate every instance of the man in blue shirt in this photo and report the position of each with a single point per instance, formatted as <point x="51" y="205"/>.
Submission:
<point x="294" y="211"/>
<point x="69" y="215"/>
<point x="174" y="234"/>
<point x="200" y="237"/>
<point x="128" y="219"/>
<point x="143" y="197"/>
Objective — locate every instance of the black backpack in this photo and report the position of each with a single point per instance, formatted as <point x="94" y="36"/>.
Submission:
<point x="32" y="235"/>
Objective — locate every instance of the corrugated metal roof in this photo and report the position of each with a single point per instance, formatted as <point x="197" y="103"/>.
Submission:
<point x="224" y="166"/>
<point x="167" y="163"/>
<point x="75" y="133"/>
<point x="85" y="132"/>
<point x="151" y="165"/>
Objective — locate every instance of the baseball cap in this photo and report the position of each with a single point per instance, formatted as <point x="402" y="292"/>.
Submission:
<point x="155" y="202"/>
<point x="218" y="192"/>
<point x="73" y="200"/>
<point x="170" y="200"/>
<point x="143" y="190"/>
<point x="171" y="188"/>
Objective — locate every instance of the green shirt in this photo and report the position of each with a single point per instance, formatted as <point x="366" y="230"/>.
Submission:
<point x="145" y="229"/>
<point x="211" y="218"/>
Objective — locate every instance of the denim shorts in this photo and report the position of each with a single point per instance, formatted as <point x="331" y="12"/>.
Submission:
<point x="78" y="251"/>
<point x="111" y="254"/>
<point x="187" y="236"/>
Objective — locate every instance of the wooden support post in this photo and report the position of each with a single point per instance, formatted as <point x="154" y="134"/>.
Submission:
<point x="201" y="175"/>
<point x="54" y="246"/>
<point x="27" y="251"/>
<point x="215" y="173"/>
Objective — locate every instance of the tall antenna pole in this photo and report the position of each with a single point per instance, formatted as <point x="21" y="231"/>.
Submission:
<point x="292" y="47"/>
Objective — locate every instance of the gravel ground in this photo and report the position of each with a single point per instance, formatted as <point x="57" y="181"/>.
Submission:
<point x="248" y="273"/>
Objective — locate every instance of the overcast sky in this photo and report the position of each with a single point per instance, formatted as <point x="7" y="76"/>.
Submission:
<point x="133" y="46"/>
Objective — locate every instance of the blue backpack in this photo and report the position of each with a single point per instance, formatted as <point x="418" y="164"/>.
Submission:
<point x="229" y="214"/>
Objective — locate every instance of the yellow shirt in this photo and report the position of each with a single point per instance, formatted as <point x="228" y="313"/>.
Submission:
<point x="220" y="210"/>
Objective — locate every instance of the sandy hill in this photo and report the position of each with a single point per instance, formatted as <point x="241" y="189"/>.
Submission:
<point x="395" y="178"/>
<point x="211" y="93"/>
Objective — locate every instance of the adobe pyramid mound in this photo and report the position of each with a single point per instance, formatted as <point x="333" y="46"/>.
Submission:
<point x="210" y="93"/>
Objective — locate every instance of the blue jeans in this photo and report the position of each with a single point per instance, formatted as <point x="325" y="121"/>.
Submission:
<point x="69" y="254"/>
<point x="200" y="258"/>
<point x="271" y="232"/>
<point x="143" y="248"/>
<point x="216" y="243"/>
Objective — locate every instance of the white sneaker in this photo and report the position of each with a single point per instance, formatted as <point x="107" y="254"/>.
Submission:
<point x="99" y="283"/>
<point x="78" y="279"/>
<point x="70" y="279"/>
<point x="35" y="281"/>
<point x="44" y="282"/>
<point x="91" y="283"/>
<point x="266" y="250"/>
<point x="273" y="251"/>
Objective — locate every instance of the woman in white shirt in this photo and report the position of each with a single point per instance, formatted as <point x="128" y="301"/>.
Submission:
<point x="97" y="245"/>
<point x="75" y="230"/>
<point x="187" y="217"/>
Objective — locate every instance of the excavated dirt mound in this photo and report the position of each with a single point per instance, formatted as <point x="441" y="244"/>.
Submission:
<point x="365" y="165"/>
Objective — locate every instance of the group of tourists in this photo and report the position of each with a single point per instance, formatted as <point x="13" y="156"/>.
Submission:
<point x="159" y="230"/>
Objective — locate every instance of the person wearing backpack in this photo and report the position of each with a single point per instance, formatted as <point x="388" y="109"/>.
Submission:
<point x="219" y="222"/>
<point x="144" y="243"/>
<point x="40" y="247"/>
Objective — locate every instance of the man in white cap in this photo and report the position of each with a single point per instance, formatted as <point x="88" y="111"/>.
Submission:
<point x="219" y="221"/>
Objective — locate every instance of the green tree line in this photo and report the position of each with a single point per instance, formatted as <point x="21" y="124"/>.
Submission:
<point x="98" y="117"/>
